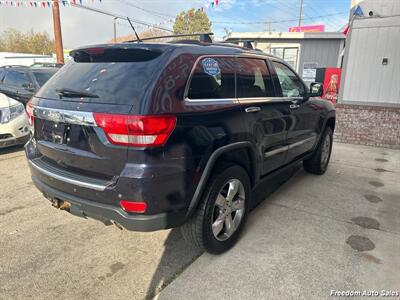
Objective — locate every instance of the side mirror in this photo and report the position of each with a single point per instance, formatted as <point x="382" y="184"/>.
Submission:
<point x="316" y="89"/>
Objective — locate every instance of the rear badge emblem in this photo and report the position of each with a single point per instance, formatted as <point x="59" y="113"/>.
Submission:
<point x="54" y="116"/>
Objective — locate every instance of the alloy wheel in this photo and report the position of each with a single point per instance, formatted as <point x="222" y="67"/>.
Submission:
<point x="229" y="209"/>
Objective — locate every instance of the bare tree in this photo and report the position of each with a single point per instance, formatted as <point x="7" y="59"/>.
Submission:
<point x="12" y="40"/>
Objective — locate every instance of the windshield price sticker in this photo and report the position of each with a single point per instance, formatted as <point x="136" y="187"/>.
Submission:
<point x="211" y="67"/>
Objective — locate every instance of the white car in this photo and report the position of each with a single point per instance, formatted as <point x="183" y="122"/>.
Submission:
<point x="14" y="127"/>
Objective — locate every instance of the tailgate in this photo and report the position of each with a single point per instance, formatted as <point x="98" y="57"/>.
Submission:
<point x="112" y="79"/>
<point x="70" y="140"/>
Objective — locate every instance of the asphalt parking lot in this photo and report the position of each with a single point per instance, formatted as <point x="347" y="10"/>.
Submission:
<point x="49" y="254"/>
<point x="340" y="231"/>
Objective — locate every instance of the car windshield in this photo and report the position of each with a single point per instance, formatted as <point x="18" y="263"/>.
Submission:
<point x="43" y="75"/>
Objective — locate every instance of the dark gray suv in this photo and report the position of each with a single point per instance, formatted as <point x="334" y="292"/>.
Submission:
<point x="21" y="83"/>
<point x="152" y="136"/>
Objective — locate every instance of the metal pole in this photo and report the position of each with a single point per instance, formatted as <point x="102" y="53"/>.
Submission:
<point x="301" y="12"/>
<point x="57" y="32"/>
<point x="115" y="29"/>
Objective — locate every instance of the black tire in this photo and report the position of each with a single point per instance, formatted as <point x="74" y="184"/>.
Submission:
<point x="318" y="162"/>
<point x="198" y="230"/>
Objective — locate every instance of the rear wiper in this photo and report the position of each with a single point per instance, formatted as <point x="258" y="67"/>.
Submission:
<point x="68" y="93"/>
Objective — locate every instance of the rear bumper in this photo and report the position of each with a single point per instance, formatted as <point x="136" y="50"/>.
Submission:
<point x="109" y="214"/>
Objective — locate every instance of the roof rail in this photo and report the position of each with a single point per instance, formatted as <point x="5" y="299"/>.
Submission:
<point x="246" y="43"/>
<point x="204" y="37"/>
<point x="184" y="42"/>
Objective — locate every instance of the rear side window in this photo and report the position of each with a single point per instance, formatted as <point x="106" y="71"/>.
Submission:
<point x="16" y="78"/>
<point x="114" y="76"/>
<point x="253" y="79"/>
<point x="213" y="78"/>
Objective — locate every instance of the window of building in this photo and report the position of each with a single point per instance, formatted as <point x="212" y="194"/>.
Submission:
<point x="213" y="78"/>
<point x="253" y="78"/>
<point x="288" y="54"/>
<point x="291" y="84"/>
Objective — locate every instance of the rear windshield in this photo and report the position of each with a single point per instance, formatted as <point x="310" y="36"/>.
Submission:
<point x="120" y="81"/>
<point x="43" y="75"/>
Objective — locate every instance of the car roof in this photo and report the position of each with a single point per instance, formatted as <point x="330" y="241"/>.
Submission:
<point x="15" y="67"/>
<point x="184" y="46"/>
<point x="44" y="69"/>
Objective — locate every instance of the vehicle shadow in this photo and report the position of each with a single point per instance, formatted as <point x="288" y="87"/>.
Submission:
<point x="266" y="188"/>
<point x="176" y="257"/>
<point x="12" y="149"/>
<point x="178" y="254"/>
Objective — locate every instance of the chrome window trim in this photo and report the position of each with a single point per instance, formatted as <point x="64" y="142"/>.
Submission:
<point x="266" y="100"/>
<point x="211" y="101"/>
<point x="65" y="116"/>
<point x="240" y="100"/>
<point x="93" y="186"/>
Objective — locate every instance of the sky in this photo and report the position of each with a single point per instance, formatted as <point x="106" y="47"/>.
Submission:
<point x="83" y="27"/>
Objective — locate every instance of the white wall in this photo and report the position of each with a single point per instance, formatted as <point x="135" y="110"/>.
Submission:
<point x="365" y="79"/>
<point x="24" y="59"/>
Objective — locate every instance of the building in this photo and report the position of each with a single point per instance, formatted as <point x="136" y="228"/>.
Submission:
<point x="301" y="50"/>
<point x="24" y="59"/>
<point x="369" y="99"/>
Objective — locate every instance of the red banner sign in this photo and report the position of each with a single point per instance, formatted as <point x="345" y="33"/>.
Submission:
<point x="308" y="28"/>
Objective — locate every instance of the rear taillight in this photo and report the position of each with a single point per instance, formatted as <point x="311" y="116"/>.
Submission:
<point x="136" y="131"/>
<point x="29" y="111"/>
<point x="130" y="206"/>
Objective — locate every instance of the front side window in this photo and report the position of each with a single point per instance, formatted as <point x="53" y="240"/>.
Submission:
<point x="213" y="78"/>
<point x="16" y="78"/>
<point x="290" y="83"/>
<point x="43" y="76"/>
<point x="253" y="78"/>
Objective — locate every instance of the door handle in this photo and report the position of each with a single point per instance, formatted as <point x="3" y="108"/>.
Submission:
<point x="252" y="109"/>
<point x="294" y="105"/>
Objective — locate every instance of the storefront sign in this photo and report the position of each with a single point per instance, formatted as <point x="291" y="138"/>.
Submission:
<point x="309" y="71"/>
<point x="308" y="28"/>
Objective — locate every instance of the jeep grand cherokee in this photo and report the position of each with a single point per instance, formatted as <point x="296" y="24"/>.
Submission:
<point x="149" y="136"/>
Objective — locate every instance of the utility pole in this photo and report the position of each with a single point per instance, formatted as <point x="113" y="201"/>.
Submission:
<point x="57" y="32"/>
<point x="115" y="29"/>
<point x="301" y="12"/>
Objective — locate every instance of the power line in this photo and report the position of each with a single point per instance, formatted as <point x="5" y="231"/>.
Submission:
<point x="307" y="16"/>
<point x="277" y="21"/>
<point x="332" y="22"/>
<point x="149" y="11"/>
<point x="119" y="16"/>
